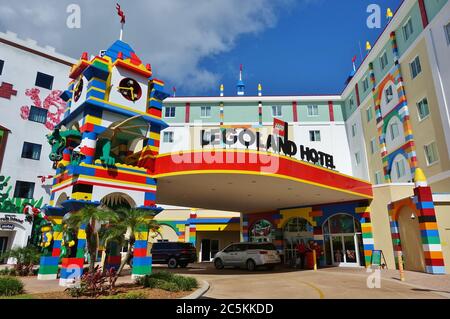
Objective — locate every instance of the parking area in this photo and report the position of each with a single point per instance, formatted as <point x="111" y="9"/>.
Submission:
<point x="283" y="282"/>
<point x="330" y="283"/>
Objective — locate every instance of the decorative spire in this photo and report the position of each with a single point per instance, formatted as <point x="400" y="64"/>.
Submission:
<point x="174" y="91"/>
<point x="259" y="89"/>
<point x="221" y="90"/>
<point x="122" y="20"/>
<point x="389" y="14"/>
<point x="368" y="46"/>
<point x="419" y="178"/>
<point x="240" y="85"/>
<point x="354" y="63"/>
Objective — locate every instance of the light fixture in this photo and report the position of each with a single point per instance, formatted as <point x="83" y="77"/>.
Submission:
<point x="413" y="216"/>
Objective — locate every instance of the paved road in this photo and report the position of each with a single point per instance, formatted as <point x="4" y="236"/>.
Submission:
<point x="283" y="283"/>
<point x="330" y="283"/>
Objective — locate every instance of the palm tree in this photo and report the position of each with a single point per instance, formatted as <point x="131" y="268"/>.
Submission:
<point x="92" y="217"/>
<point x="127" y="223"/>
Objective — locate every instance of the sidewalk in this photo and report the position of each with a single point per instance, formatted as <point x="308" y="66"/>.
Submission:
<point x="422" y="281"/>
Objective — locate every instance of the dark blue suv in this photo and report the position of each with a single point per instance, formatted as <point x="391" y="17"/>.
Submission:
<point x="173" y="254"/>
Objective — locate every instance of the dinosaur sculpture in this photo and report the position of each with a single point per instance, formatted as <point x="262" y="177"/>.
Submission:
<point x="61" y="140"/>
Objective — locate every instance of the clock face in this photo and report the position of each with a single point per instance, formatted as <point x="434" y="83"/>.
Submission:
<point x="130" y="89"/>
<point x="78" y="89"/>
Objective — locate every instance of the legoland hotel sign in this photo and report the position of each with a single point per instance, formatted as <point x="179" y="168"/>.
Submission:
<point x="278" y="142"/>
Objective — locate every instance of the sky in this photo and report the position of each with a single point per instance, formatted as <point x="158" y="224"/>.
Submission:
<point x="291" y="47"/>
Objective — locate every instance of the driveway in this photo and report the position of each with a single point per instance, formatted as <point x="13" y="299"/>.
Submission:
<point x="330" y="283"/>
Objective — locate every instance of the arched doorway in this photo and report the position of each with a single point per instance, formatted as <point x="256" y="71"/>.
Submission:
<point x="262" y="231"/>
<point x="343" y="241"/>
<point x="294" y="231"/>
<point x="413" y="256"/>
<point x="118" y="200"/>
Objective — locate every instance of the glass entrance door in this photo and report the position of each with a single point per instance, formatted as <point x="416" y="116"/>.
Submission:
<point x="344" y="249"/>
<point x="209" y="249"/>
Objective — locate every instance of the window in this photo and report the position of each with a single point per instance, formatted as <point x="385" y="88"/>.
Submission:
<point x="416" y="68"/>
<point x="24" y="190"/>
<point x="354" y="130"/>
<point x="170" y="112"/>
<point x="447" y="32"/>
<point x="431" y="153"/>
<point x="384" y="61"/>
<point x="168" y="137"/>
<point x="314" y="136"/>
<point x="31" y="151"/>
<point x="377" y="178"/>
<point x="2" y="63"/>
<point x="369" y="113"/>
<point x="401" y="169"/>
<point x="366" y="84"/>
<point x="276" y="111"/>
<point x="44" y="80"/>
<point x="389" y="94"/>
<point x="408" y="29"/>
<point x="205" y="111"/>
<point x="313" y="110"/>
<point x="423" y="109"/>
<point x="357" y="158"/>
<point x="373" y="145"/>
<point x="394" y="131"/>
<point x="37" y="114"/>
<point x="351" y="103"/>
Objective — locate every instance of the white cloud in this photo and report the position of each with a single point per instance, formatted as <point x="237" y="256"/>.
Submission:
<point x="173" y="35"/>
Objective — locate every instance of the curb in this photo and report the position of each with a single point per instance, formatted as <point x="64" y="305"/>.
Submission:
<point x="199" y="292"/>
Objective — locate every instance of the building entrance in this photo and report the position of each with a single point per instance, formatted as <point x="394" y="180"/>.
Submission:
<point x="3" y="245"/>
<point x="296" y="230"/>
<point x="209" y="248"/>
<point x="343" y="241"/>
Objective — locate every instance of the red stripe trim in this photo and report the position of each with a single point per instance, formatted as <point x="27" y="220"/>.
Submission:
<point x="423" y="13"/>
<point x="331" y="110"/>
<point x="294" y="111"/>
<point x="188" y="112"/>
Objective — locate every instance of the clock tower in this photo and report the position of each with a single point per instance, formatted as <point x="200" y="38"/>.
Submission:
<point x="105" y="147"/>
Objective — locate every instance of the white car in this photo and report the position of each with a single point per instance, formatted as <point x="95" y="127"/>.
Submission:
<point x="248" y="255"/>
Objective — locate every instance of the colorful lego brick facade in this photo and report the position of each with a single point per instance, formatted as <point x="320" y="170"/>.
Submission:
<point x="104" y="148"/>
<point x="399" y="111"/>
<point x="316" y="217"/>
<point x="422" y="206"/>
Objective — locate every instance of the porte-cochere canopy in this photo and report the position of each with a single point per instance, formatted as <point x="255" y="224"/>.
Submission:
<point x="250" y="181"/>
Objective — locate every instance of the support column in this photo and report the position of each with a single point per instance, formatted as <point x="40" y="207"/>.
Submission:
<point x="113" y="257"/>
<point x="48" y="266"/>
<point x="193" y="227"/>
<point x="431" y="243"/>
<point x="245" y="236"/>
<point x="88" y="145"/>
<point x="367" y="233"/>
<point x="142" y="258"/>
<point x="72" y="268"/>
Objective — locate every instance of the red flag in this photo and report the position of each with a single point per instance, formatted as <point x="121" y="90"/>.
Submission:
<point x="120" y="13"/>
<point x="279" y="127"/>
<point x="240" y="68"/>
<point x="354" y="59"/>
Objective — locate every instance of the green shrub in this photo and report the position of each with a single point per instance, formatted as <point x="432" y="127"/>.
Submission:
<point x="10" y="286"/>
<point x="185" y="283"/>
<point x="164" y="275"/>
<point x="128" y="295"/>
<point x="167" y="281"/>
<point x="169" y="286"/>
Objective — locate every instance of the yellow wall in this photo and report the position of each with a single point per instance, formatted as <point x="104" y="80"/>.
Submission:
<point x="443" y="221"/>
<point x="429" y="129"/>
<point x="383" y="195"/>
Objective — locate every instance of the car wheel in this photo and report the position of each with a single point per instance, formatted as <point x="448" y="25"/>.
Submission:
<point x="218" y="263"/>
<point x="251" y="266"/>
<point x="173" y="263"/>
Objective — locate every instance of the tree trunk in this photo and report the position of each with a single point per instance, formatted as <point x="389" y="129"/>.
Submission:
<point x="124" y="261"/>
